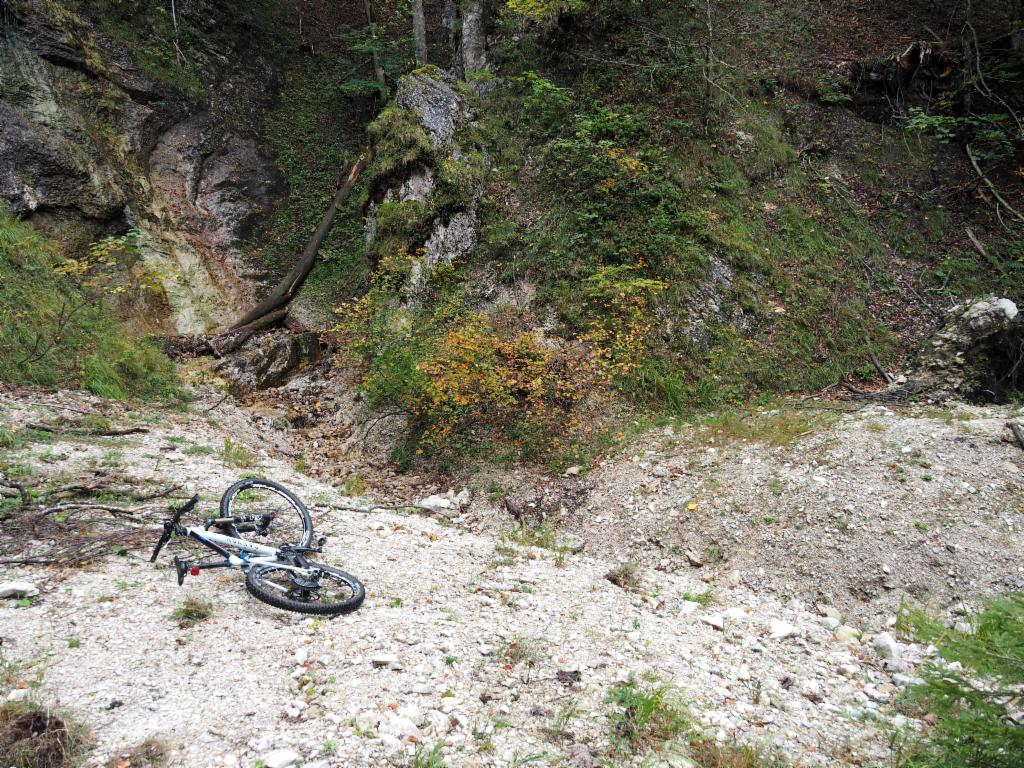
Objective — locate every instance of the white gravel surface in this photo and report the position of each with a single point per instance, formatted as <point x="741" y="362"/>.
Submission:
<point x="427" y="658"/>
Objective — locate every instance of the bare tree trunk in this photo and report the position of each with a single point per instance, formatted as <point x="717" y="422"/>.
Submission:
<point x="292" y="282"/>
<point x="419" y="33"/>
<point x="448" y="20"/>
<point x="474" y="40"/>
<point x="1017" y="40"/>
<point x="378" y="70"/>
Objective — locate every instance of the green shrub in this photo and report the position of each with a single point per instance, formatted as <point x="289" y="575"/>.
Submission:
<point x="974" y="693"/>
<point x="56" y="334"/>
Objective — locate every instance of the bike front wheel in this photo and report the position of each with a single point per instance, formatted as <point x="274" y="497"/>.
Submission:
<point x="330" y="593"/>
<point x="255" y="497"/>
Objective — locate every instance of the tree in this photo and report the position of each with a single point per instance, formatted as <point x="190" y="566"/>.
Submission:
<point x="419" y="32"/>
<point x="448" y="20"/>
<point x="378" y="70"/>
<point x="273" y="308"/>
<point x="474" y="39"/>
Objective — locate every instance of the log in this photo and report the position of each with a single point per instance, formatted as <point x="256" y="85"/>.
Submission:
<point x="292" y="282"/>
<point x="231" y="340"/>
<point x="1018" y="432"/>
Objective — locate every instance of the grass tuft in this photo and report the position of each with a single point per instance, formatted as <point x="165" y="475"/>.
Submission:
<point x="645" y="715"/>
<point x="33" y="736"/>
<point x="625" y="575"/>
<point x="192" y="611"/>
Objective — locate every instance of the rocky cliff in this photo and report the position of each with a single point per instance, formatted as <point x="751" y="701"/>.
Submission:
<point x="90" y="145"/>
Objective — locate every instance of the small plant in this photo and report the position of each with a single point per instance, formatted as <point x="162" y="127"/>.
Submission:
<point x="236" y="455"/>
<point x="432" y="758"/>
<point x="708" y="753"/>
<point x="703" y="598"/>
<point x="451" y="661"/>
<point x="922" y="527"/>
<point x="198" y="449"/>
<point x="192" y="611"/>
<point x="832" y="89"/>
<point x="330" y="747"/>
<point x="150" y="753"/>
<point x="644" y="715"/>
<point x="355" y="485"/>
<point x="542" y="535"/>
<point x="520" y="650"/>
<point x="74" y="642"/>
<point x="395" y="602"/>
<point x="559" y="727"/>
<point x="626" y="576"/>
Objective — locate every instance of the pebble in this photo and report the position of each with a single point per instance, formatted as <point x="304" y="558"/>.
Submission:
<point x="886" y="646"/>
<point x="570" y="542"/>
<point x="780" y="630"/>
<point x="400" y="727"/>
<point x="845" y="634"/>
<point x="281" y="758"/>
<point x="18" y="589"/>
<point x="714" y="620"/>
<point x="389" y="660"/>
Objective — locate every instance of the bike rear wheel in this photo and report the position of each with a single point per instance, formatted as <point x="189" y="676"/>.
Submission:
<point x="335" y="591"/>
<point x="256" y="496"/>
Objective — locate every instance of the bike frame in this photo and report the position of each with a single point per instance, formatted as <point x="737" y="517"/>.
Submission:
<point x="253" y="553"/>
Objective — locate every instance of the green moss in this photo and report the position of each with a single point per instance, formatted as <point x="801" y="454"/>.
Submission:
<point x="399" y="142"/>
<point x="56" y="335"/>
<point x="457" y="182"/>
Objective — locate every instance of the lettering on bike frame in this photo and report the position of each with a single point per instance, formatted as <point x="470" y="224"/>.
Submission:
<point x="218" y="542"/>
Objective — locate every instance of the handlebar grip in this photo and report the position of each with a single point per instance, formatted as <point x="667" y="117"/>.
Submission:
<point x="188" y="507"/>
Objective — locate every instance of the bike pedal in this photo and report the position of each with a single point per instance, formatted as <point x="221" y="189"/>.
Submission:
<point x="182" y="567"/>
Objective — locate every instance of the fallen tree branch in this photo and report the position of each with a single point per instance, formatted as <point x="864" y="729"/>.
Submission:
<point x="230" y="341"/>
<point x="873" y="357"/>
<point x="992" y="187"/>
<point x="129" y="512"/>
<point x="21" y="489"/>
<point x="292" y="282"/>
<point x="84" y="432"/>
<point x="1018" y="432"/>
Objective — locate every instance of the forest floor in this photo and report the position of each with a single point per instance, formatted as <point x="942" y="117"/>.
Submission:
<point x="766" y="559"/>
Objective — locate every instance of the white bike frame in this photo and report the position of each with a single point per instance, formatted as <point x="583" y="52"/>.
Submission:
<point x="263" y="555"/>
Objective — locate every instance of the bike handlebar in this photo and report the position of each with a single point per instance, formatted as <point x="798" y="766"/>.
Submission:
<point x="172" y="523"/>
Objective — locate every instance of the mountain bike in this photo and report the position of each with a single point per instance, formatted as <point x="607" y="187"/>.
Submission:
<point x="279" y="575"/>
